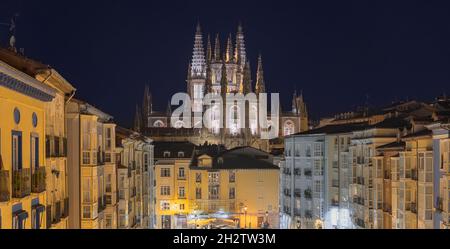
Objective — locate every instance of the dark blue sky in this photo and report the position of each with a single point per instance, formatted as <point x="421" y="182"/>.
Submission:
<point x="336" y="51"/>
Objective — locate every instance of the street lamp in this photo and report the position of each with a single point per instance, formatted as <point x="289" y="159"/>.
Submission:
<point x="245" y="216"/>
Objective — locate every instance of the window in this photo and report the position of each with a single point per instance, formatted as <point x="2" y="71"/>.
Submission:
<point x="165" y="190"/>
<point x="213" y="177"/>
<point x="34" y="151"/>
<point x="165" y="172"/>
<point x="198" y="177"/>
<point x="165" y="205"/>
<point x="180" y="154"/>
<point x="232" y="176"/>
<point x="17" y="150"/>
<point x="198" y="193"/>
<point x="86" y="212"/>
<point x="288" y="128"/>
<point x="87" y="190"/>
<point x="108" y="139"/>
<point x="318" y="149"/>
<point x="165" y="221"/>
<point x="181" y="173"/>
<point x="146" y="162"/>
<point x="181" y="192"/>
<point x="182" y="206"/>
<point x="213" y="192"/>
<point x="232" y="193"/>
<point x="166" y="153"/>
<point x="158" y="123"/>
<point x="86" y="157"/>
<point x="108" y="219"/>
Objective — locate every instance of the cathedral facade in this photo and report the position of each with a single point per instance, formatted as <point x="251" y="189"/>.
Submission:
<point x="220" y="73"/>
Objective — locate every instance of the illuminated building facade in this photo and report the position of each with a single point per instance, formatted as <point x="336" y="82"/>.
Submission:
<point x="91" y="156"/>
<point x="134" y="161"/>
<point x="23" y="195"/>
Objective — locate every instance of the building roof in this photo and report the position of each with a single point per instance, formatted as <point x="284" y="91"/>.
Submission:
<point x="334" y="129"/>
<point x="422" y="133"/>
<point x="393" y="145"/>
<point x="173" y="147"/>
<point x="237" y="158"/>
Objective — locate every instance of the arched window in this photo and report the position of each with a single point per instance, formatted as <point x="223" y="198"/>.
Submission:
<point x="288" y="128"/>
<point x="158" y="123"/>
<point x="179" y="124"/>
<point x="234" y="120"/>
<point x="253" y="118"/>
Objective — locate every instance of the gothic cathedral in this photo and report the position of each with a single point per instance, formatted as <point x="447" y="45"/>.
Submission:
<point x="220" y="72"/>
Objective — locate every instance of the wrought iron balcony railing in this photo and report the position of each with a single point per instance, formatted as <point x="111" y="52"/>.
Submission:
<point x="38" y="180"/>
<point x="4" y="186"/>
<point x="21" y="183"/>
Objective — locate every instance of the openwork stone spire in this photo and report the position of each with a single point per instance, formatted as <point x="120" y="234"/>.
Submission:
<point x="198" y="66"/>
<point x="217" y="49"/>
<point x="260" y="84"/>
<point x="230" y="51"/>
<point x="247" y="81"/>
<point x="240" y="54"/>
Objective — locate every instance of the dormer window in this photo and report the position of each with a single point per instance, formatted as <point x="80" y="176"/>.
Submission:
<point x="166" y="153"/>
<point x="220" y="160"/>
<point x="180" y="154"/>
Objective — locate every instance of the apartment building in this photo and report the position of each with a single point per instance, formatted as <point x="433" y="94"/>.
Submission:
<point x="316" y="177"/>
<point x="171" y="184"/>
<point x="23" y="195"/>
<point x="91" y="154"/>
<point x="134" y="154"/>
<point x="441" y="174"/>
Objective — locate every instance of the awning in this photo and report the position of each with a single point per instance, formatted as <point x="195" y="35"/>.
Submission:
<point x="39" y="208"/>
<point x="21" y="214"/>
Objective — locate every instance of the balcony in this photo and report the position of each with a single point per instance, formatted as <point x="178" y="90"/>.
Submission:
<point x="360" y="180"/>
<point x="387" y="175"/>
<point x="132" y="192"/>
<point x="286" y="171"/>
<point x="182" y="177"/>
<point x="334" y="203"/>
<point x="287" y="192"/>
<point x="387" y="208"/>
<point x="358" y="200"/>
<point x="412" y="207"/>
<point x="57" y="215"/>
<point x="101" y="203"/>
<point x="440" y="204"/>
<point x="55" y="146"/>
<point x="4" y="185"/>
<point x="308" y="194"/>
<point x="297" y="172"/>
<point x="21" y="183"/>
<point x="65" y="211"/>
<point x="308" y="172"/>
<point x="298" y="193"/>
<point x="414" y="175"/>
<point x="38" y="180"/>
<point x="308" y="214"/>
<point x="49" y="216"/>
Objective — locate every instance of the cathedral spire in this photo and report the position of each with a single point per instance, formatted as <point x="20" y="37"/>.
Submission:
<point x="169" y="109"/>
<point x="223" y="80"/>
<point x="208" y="82"/>
<point x="294" y="102"/>
<point x="247" y="80"/>
<point x="229" y="53"/>
<point x="146" y="106"/>
<point x="217" y="49"/>
<point x="239" y="52"/>
<point x="137" y="120"/>
<point x="209" y="50"/>
<point x="260" y="84"/>
<point x="198" y="55"/>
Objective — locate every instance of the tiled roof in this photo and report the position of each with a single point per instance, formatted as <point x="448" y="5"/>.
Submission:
<point x="333" y="129"/>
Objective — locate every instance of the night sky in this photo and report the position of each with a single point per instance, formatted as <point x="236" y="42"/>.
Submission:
<point x="336" y="52"/>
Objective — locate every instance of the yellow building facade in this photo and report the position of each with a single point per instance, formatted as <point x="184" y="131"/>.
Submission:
<point x="22" y="146"/>
<point x="211" y="187"/>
